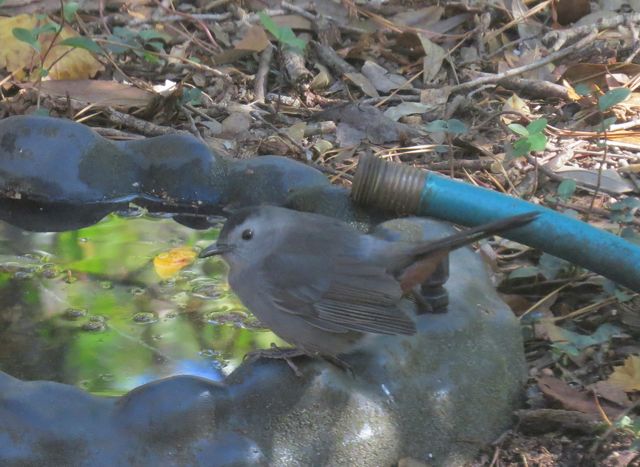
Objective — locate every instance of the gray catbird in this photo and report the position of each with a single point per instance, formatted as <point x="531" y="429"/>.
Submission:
<point x="320" y="284"/>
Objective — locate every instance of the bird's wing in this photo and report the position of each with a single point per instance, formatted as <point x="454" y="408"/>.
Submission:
<point x="337" y="292"/>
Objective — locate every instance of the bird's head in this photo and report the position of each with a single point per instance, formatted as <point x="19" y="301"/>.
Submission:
<point x="248" y="235"/>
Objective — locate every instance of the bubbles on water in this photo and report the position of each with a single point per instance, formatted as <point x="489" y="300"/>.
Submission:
<point x="131" y="213"/>
<point x="233" y="316"/>
<point x="188" y="274"/>
<point x="176" y="242"/>
<point x="23" y="275"/>
<point x="181" y="300"/>
<point x="145" y="317"/>
<point x="208" y="291"/>
<point x="49" y="271"/>
<point x="40" y="255"/>
<point x="106" y="285"/>
<point x="207" y="288"/>
<point x="135" y="291"/>
<point x="209" y="353"/>
<point x="167" y="285"/>
<point x="95" y="324"/>
<point x="73" y="314"/>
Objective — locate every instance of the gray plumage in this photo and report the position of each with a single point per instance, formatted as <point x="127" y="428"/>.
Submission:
<point x="319" y="284"/>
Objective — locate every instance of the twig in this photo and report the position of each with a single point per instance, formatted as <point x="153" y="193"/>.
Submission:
<point x="395" y="98"/>
<point x="599" y="180"/>
<point x="558" y="37"/>
<point x="141" y="126"/>
<point x="525" y="68"/>
<point x="535" y="88"/>
<point x="299" y="10"/>
<point x="330" y="58"/>
<point x="405" y="86"/>
<point x="294" y="64"/>
<point x="112" y="133"/>
<point x="260" y="85"/>
<point x="175" y="18"/>
<point x="199" y="22"/>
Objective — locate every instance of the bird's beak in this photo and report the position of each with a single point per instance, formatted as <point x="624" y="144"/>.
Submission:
<point x="215" y="249"/>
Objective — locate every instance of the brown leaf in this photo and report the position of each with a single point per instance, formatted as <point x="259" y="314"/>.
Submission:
<point x="611" y="392"/>
<point x="594" y="74"/>
<point x="293" y="22"/>
<point x="572" y="399"/>
<point x="357" y="122"/>
<point x="254" y="40"/>
<point x="100" y="93"/>
<point x="570" y="11"/>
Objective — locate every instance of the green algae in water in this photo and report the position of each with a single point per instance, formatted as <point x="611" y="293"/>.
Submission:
<point x="87" y="308"/>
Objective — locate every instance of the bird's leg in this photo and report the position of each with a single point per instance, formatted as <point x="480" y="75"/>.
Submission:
<point x="276" y="352"/>
<point x="423" y="305"/>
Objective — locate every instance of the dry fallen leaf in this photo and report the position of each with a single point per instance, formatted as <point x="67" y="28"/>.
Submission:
<point x="363" y="83"/>
<point x="434" y="55"/>
<point x="593" y="75"/>
<point x="359" y="122"/>
<point x="627" y="376"/>
<point x="404" y="109"/>
<point x="383" y="80"/>
<point x="570" y="11"/>
<point x="611" y="392"/>
<point x="608" y="180"/>
<point x="293" y="22"/>
<point x="573" y="399"/>
<point x="96" y="92"/>
<point x="62" y="62"/>
<point x="171" y="262"/>
<point x="253" y="40"/>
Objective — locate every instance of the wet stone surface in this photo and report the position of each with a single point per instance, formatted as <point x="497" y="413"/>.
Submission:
<point x="438" y="396"/>
<point x="58" y="175"/>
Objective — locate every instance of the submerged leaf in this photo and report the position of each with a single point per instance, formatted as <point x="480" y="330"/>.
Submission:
<point x="171" y="262"/>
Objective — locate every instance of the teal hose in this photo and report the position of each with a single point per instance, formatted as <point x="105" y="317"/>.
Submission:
<point x="414" y="191"/>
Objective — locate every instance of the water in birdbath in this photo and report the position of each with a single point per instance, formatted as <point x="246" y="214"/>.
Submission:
<point x="118" y="304"/>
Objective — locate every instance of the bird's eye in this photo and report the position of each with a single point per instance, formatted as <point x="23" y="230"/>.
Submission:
<point x="247" y="234"/>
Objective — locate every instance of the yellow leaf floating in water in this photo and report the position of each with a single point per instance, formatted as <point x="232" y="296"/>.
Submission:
<point x="170" y="262"/>
<point x="62" y="62"/>
<point x="627" y="376"/>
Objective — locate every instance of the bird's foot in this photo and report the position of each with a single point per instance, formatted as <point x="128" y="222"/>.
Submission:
<point x="278" y="353"/>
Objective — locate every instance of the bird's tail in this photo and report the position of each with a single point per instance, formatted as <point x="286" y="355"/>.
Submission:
<point x="473" y="234"/>
<point x="425" y="256"/>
